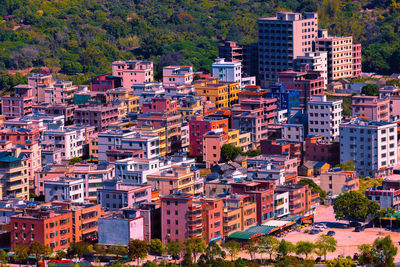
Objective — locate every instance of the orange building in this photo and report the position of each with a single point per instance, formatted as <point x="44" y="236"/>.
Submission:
<point x="53" y="228"/>
<point x="213" y="219"/>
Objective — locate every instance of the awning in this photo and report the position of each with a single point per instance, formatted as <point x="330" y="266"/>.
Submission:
<point x="252" y="232"/>
<point x="276" y="223"/>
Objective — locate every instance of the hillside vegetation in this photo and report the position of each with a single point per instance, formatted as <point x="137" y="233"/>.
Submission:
<point x="85" y="36"/>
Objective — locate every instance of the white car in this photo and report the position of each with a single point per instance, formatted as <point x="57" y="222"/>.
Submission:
<point x="167" y="257"/>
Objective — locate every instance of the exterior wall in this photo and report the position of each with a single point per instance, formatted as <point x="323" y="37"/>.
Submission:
<point x="108" y="235"/>
<point x="133" y="72"/>
<point x="98" y="116"/>
<point x="372" y="146"/>
<point x="177" y="75"/>
<point x="324" y="117"/>
<point x="357" y="60"/>
<point x="55" y="232"/>
<point x="281" y="204"/>
<point x="295" y="31"/>
<point x="125" y="196"/>
<point x="340" y="55"/>
<point x="103" y="83"/>
<point x="227" y="71"/>
<point x="213" y="215"/>
<point x="64" y="190"/>
<point x="198" y="126"/>
<point x="212" y="145"/>
<point x="337" y="183"/>
<point x="316" y="149"/>
<point x="293" y="132"/>
<point x="371" y="107"/>
<point x="316" y="61"/>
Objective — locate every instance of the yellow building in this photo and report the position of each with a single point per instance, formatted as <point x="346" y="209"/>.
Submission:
<point x="239" y="213"/>
<point x="221" y="93"/>
<point x="189" y="108"/>
<point x="126" y="96"/>
<point x="178" y="177"/>
<point x="239" y="139"/>
<point x="14" y="174"/>
<point x="162" y="136"/>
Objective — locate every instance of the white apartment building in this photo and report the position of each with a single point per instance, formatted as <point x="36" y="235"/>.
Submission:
<point x="69" y="139"/>
<point x="324" y="117"/>
<point x="281" y="204"/>
<point x="317" y="61"/>
<point x="177" y="75"/>
<point x="135" y="170"/>
<point x="64" y="189"/>
<point x="227" y="71"/>
<point x="371" y="145"/>
<point x="147" y="91"/>
<point x="127" y="139"/>
<point x="93" y="176"/>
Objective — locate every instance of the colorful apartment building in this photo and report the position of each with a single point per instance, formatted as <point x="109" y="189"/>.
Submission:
<point x="53" y="228"/>
<point x="281" y="39"/>
<point x="98" y="116"/>
<point x="344" y="57"/>
<point x="317" y="149"/>
<point x="116" y="195"/>
<point x="387" y="195"/>
<point x="212" y="146"/>
<point x="125" y="96"/>
<point x="64" y="189"/>
<point x="19" y="103"/>
<point x="174" y="76"/>
<point x="171" y="123"/>
<point x="223" y="94"/>
<point x="198" y="126"/>
<point x="324" y="117"/>
<point x="263" y="192"/>
<point x="227" y="71"/>
<point x="160" y="104"/>
<point x="133" y="72"/>
<point x="306" y="82"/>
<point x="240" y="139"/>
<point x="336" y="182"/>
<point x="230" y="51"/>
<point x="39" y="83"/>
<point x="182" y="178"/>
<point x="104" y="82"/>
<point x="60" y="109"/>
<point x="240" y="213"/>
<point x="371" y="107"/>
<point x="62" y="92"/>
<point x="282" y="147"/>
<point x="14" y="174"/>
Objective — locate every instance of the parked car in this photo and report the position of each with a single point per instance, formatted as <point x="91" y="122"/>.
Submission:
<point x="167" y="257"/>
<point x="331" y="233"/>
<point x="159" y="258"/>
<point x="177" y="257"/>
<point x="314" y="232"/>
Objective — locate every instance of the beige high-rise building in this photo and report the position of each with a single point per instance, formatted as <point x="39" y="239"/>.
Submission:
<point x="340" y="54"/>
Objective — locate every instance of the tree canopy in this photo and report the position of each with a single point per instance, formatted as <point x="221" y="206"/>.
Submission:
<point x="353" y="206"/>
<point x="313" y="186"/>
<point x="370" y="90"/>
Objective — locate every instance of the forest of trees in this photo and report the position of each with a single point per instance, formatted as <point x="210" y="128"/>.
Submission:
<point x="85" y="36"/>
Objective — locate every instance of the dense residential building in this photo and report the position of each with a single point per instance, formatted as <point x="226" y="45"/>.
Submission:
<point x="39" y="82"/>
<point x="198" y="126"/>
<point x="286" y="99"/>
<point x="104" y="82"/>
<point x="343" y="56"/>
<point x="324" y="117"/>
<point x="223" y="94"/>
<point x="64" y="189"/>
<point x="130" y="225"/>
<point x="133" y="72"/>
<point x="387" y="195"/>
<point x="317" y="149"/>
<point x="125" y="96"/>
<point x="227" y="71"/>
<point x="371" y="107"/>
<point x="183" y="178"/>
<point x="62" y="92"/>
<point x="336" y="182"/>
<point x="174" y="76"/>
<point x="307" y="83"/>
<point x="371" y="145"/>
<point x="281" y="39"/>
<point x="282" y="147"/>
<point x="212" y="145"/>
<point x="19" y="103"/>
<point x="316" y="61"/>
<point x="51" y="227"/>
<point x="160" y="104"/>
<point x="116" y="195"/>
<point x="98" y="116"/>
<point x="62" y="109"/>
<point x="14" y="174"/>
<point x="230" y="51"/>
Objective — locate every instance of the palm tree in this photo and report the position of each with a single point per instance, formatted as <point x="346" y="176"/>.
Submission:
<point x="381" y="213"/>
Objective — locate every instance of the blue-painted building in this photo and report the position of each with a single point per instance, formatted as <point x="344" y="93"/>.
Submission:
<point x="286" y="99"/>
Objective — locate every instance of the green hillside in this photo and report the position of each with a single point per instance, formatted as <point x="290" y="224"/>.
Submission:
<point x="85" y="36"/>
